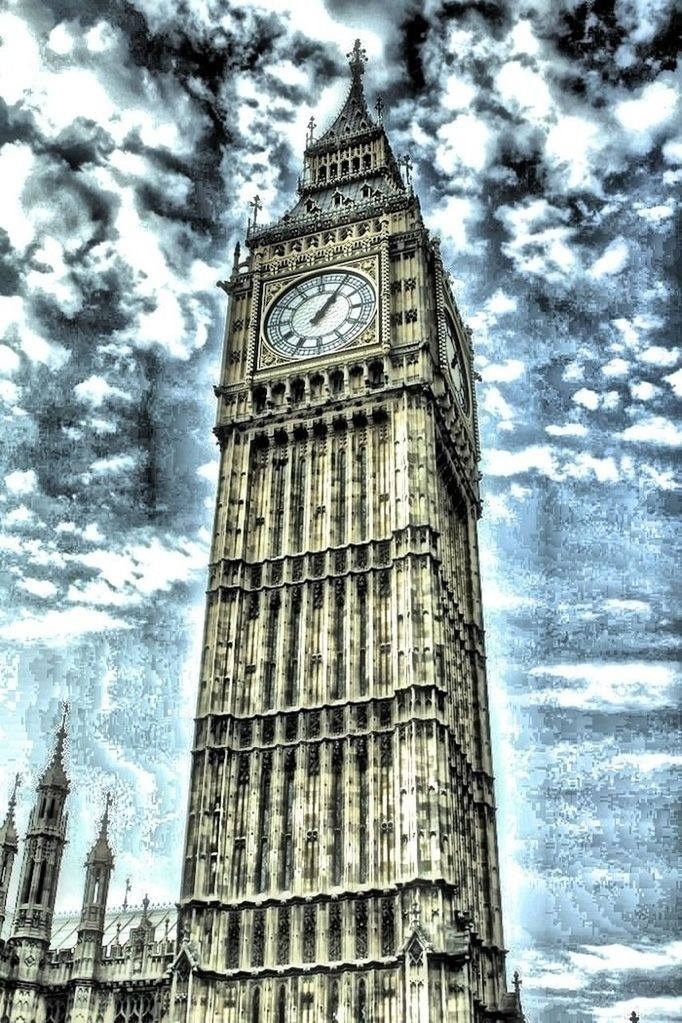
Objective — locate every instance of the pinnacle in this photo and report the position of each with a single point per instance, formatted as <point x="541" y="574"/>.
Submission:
<point x="101" y="849"/>
<point x="354" y="117"/>
<point x="8" y="831"/>
<point x="55" y="773"/>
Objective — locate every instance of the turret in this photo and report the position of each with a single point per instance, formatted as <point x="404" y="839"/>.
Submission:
<point x="98" y="867"/>
<point x="43" y="848"/>
<point x="8" y="849"/>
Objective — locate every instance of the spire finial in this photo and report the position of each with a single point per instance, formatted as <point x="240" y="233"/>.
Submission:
<point x="517" y="982"/>
<point x="379" y="107"/>
<point x="105" y="816"/>
<point x="256" y="205"/>
<point x="145" y="905"/>
<point x="61" y="734"/>
<point x="129" y="888"/>
<point x="13" y="797"/>
<point x="312" y="124"/>
<point x="357" y="58"/>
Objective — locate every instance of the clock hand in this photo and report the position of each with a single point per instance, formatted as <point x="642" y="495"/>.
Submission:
<point x="323" y="309"/>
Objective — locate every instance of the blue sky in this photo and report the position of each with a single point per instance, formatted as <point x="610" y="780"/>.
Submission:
<point x="545" y="139"/>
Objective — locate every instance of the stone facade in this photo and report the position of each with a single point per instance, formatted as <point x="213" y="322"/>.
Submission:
<point x="341" y="854"/>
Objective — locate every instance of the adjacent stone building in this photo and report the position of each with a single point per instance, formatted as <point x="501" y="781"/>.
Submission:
<point x="341" y="854"/>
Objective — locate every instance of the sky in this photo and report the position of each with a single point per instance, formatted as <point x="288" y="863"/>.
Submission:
<point x="547" y="155"/>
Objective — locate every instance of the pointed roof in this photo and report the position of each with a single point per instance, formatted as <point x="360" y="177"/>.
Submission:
<point x="8" y="830"/>
<point x="354" y="118"/>
<point x="54" y="774"/>
<point x="101" y="850"/>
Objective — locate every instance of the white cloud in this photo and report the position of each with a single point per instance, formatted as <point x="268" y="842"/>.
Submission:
<point x="587" y="398"/>
<point x="540" y="242"/>
<point x="654" y="108"/>
<point x="638" y="607"/>
<point x="585" y="465"/>
<point x="60" y="627"/>
<point x="16" y="164"/>
<point x="209" y="471"/>
<point x="523" y="38"/>
<point x="612" y="261"/>
<point x="465" y="141"/>
<point x="568" y="430"/>
<point x="571" y="146"/>
<point x="642" y="390"/>
<point x="113" y="464"/>
<point x="512" y="463"/>
<point x="675" y="381"/>
<point x="510" y="369"/>
<point x="620" y="958"/>
<point x="9" y="360"/>
<point x="20" y="516"/>
<point x="616" y="368"/>
<point x="95" y="390"/>
<point x="21" y="482"/>
<point x="523" y="90"/>
<point x="608" y="686"/>
<point x="663" y="1009"/>
<point x="38" y="587"/>
<point x="656" y="355"/>
<point x="495" y="404"/>
<point x="645" y="763"/>
<point x="19" y="60"/>
<point x="654" y="430"/>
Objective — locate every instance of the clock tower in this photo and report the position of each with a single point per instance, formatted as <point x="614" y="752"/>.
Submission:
<point x="341" y="855"/>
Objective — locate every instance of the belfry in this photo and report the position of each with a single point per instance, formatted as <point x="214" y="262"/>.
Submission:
<point x="341" y="855"/>
<point x="340" y="863"/>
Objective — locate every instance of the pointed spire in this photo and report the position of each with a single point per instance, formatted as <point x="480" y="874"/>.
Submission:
<point x="354" y="117"/>
<point x="55" y="773"/>
<point x="101" y="850"/>
<point x="8" y="830"/>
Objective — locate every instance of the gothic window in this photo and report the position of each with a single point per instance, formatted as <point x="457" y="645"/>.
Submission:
<point x="366" y="161"/>
<point x="258" y="944"/>
<point x="362" y="636"/>
<point x="361" y="476"/>
<point x="233" y="937"/>
<point x="361" y="930"/>
<point x="339" y="678"/>
<point x="387" y="928"/>
<point x="322" y="173"/>
<point x="263" y="847"/>
<point x="334" y="932"/>
<point x="270" y="653"/>
<point x="361" y="1005"/>
<point x="40" y="887"/>
<point x="337" y="814"/>
<point x="344" y="166"/>
<point x="287" y="841"/>
<point x="295" y="624"/>
<point x="298" y="501"/>
<point x="255" y="1006"/>
<point x="283" y="935"/>
<point x="363" y="805"/>
<point x="356" y="164"/>
<point x="239" y="851"/>
<point x="309" y="933"/>
<point x="55" y="1011"/>
<point x="278" y="470"/>
<point x="366" y="190"/>
<point x="282" y="1004"/>
<point x="259" y="399"/>
<point x="333" y="170"/>
<point x="339" y="473"/>
<point x="334" y="1002"/>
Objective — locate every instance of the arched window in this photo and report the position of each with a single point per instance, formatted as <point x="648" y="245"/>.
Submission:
<point x="255" y="1006"/>
<point x="282" y="1004"/>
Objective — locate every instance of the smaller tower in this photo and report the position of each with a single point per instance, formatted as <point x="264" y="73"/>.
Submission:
<point x="43" y="848"/>
<point x="98" y="867"/>
<point x="8" y="849"/>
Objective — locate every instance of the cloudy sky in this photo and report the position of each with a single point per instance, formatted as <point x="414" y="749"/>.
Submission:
<point x="133" y="134"/>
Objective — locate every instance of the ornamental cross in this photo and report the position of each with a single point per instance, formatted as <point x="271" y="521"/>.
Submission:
<point x="311" y="128"/>
<point x="406" y="162"/>
<point x="256" y="205"/>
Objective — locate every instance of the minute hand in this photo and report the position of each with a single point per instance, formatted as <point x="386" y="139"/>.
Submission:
<point x="323" y="309"/>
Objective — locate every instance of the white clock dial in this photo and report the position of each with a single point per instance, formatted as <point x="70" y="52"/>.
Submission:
<point x="455" y="365"/>
<point x="320" y="314"/>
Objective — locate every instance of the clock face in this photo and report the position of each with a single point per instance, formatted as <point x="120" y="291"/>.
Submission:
<point x="455" y="365"/>
<point x="320" y="314"/>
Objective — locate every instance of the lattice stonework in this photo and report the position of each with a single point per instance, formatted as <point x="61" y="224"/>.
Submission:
<point x="341" y="852"/>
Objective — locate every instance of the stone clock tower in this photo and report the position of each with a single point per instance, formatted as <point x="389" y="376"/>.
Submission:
<point x="341" y="856"/>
